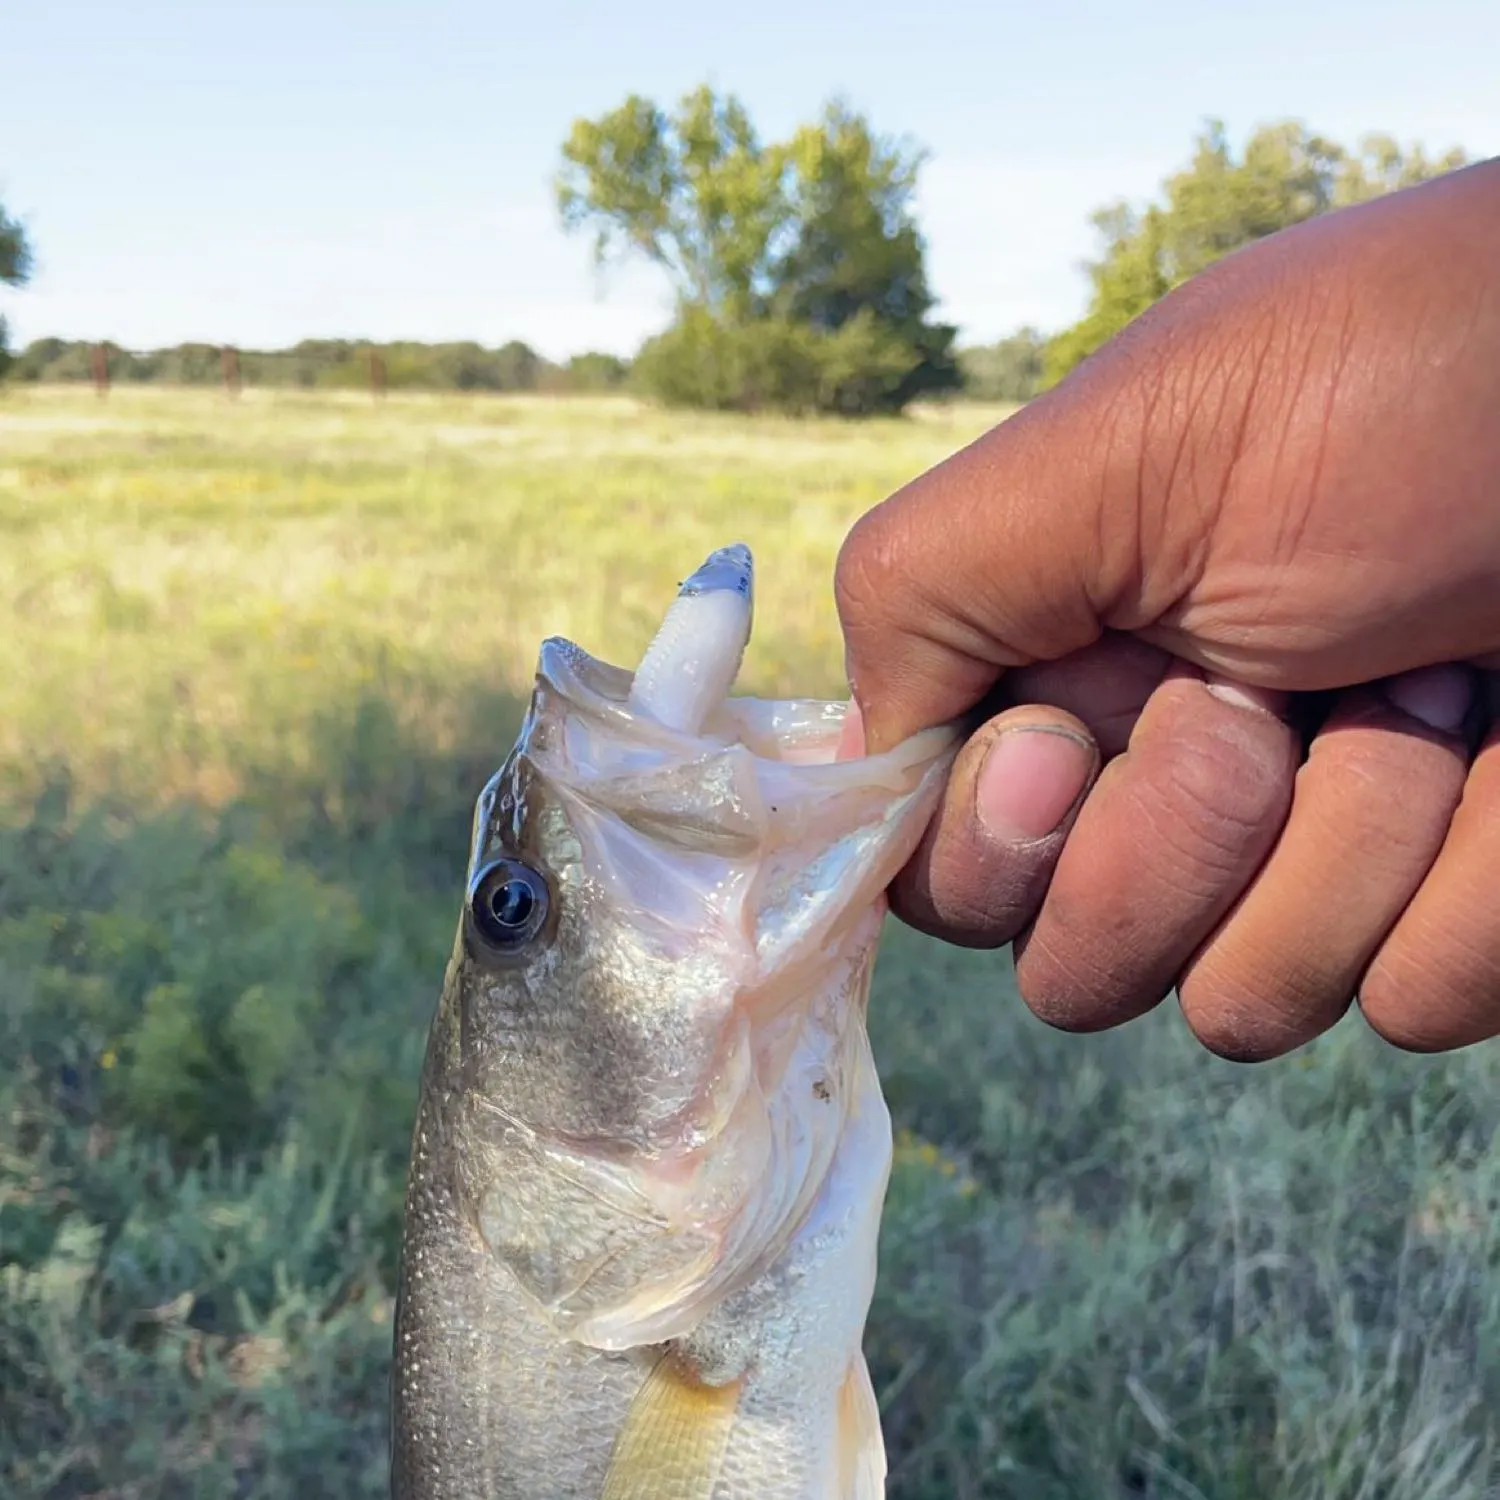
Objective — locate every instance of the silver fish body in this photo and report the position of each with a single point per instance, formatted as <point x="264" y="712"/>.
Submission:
<point x="651" y="1149"/>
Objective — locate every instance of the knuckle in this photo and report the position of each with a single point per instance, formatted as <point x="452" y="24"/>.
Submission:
<point x="964" y="913"/>
<point x="1433" y="990"/>
<point x="865" y="568"/>
<point x="1387" y="812"/>
<point x="1061" y="987"/>
<point x="1209" y="802"/>
<point x="986" y="900"/>
<point x="1084" y="978"/>
<point x="960" y="887"/>
<point x="1235" y="775"/>
<point x="1281" y="1010"/>
<point x="1480" y="800"/>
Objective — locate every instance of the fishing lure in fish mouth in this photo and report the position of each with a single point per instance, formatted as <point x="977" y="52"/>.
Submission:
<point x="651" y="1150"/>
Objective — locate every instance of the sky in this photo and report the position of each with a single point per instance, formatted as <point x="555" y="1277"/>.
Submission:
<point x="258" y="174"/>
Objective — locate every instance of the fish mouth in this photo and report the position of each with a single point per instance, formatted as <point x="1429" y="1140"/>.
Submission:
<point x="668" y="748"/>
<point x="768" y="856"/>
<point x="738" y="809"/>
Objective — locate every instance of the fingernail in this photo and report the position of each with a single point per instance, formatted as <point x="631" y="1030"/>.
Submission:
<point x="1438" y="696"/>
<point x="1242" y="695"/>
<point x="1029" y="781"/>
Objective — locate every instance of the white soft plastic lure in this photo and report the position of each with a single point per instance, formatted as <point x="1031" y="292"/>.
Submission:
<point x="651" y="1149"/>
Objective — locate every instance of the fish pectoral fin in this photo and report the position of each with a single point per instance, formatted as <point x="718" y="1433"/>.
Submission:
<point x="672" y="1444"/>
<point x="861" y="1447"/>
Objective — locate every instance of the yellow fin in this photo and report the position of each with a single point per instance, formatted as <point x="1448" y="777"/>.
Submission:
<point x="861" y="1446"/>
<point x="672" y="1444"/>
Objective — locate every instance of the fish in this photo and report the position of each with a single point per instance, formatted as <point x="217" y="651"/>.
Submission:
<point x="651" y="1149"/>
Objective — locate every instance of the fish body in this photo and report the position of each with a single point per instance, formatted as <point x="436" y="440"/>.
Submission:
<point x="651" y="1149"/>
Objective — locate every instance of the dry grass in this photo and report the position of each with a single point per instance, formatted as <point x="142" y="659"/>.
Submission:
<point x="187" y="575"/>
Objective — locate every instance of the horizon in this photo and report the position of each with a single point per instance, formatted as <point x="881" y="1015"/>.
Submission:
<point x="369" y="175"/>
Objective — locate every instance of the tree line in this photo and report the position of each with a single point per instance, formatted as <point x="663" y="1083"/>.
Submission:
<point x="328" y="364"/>
<point x="798" y="267"/>
<point x="1007" y="371"/>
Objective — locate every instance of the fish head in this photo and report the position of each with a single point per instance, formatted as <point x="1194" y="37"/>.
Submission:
<point x="654" y="1009"/>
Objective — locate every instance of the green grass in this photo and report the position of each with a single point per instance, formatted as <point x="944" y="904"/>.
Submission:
<point x="255" y="660"/>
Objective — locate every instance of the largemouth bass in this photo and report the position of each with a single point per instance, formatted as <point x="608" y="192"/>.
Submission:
<point x="651" y="1149"/>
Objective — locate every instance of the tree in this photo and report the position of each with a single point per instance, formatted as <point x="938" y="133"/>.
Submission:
<point x="15" y="270"/>
<point x="593" y="371"/>
<point x="798" y="262"/>
<point x="1008" y="370"/>
<point x="1218" y="204"/>
<point x="854" y="258"/>
<point x="696" y="193"/>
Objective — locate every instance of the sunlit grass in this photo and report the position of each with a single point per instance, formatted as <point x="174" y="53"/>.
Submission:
<point x="185" y="575"/>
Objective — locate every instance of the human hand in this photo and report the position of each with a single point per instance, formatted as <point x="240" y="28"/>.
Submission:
<point x="1246" y="559"/>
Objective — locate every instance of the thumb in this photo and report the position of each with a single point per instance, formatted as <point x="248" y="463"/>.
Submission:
<point x="1007" y="553"/>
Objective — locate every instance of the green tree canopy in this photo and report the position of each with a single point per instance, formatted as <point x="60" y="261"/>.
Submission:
<point x="331" y="363"/>
<point x="696" y="193"/>
<point x="1008" y="370"/>
<point x="15" y="252"/>
<point x="1218" y="203"/>
<point x="799" y="260"/>
<point x="15" y="268"/>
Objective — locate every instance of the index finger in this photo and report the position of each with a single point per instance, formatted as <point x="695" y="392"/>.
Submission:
<point x="994" y="559"/>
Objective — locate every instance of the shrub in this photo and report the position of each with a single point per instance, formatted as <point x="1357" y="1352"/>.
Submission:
<point x="861" y="369"/>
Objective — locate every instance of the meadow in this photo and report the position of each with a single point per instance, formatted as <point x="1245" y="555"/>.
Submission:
<point x="257" y="657"/>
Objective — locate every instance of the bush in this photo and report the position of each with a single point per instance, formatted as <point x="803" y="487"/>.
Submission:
<point x="190" y="980"/>
<point x="596" y="372"/>
<point x="1009" y="370"/>
<point x="698" y="363"/>
<point x="861" y="369"/>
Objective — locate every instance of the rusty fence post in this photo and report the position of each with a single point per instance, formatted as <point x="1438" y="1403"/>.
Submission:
<point x="230" y="360"/>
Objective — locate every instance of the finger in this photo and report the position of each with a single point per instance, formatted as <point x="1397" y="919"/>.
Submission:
<point x="980" y="874"/>
<point x="983" y="865"/>
<point x="1369" y="813"/>
<point x="986" y="562"/>
<point x="1435" y="984"/>
<point x="1171" y="834"/>
<point x="1105" y="685"/>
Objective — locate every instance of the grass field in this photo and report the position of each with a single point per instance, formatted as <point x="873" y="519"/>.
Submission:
<point x="255" y="661"/>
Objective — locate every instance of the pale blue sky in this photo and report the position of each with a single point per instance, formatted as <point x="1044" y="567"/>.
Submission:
<point x="259" y="173"/>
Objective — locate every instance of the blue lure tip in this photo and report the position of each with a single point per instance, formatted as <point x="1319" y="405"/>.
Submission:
<point x="729" y="568"/>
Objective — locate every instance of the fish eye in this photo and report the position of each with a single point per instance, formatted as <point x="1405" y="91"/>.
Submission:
<point x="507" y="906"/>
